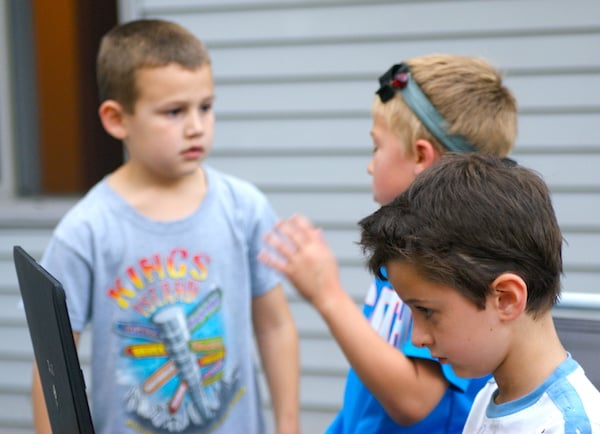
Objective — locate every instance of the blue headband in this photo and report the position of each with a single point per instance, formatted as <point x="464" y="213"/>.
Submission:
<point x="399" y="78"/>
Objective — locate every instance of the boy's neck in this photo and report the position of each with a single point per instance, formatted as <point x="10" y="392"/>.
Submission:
<point x="157" y="200"/>
<point x="532" y="357"/>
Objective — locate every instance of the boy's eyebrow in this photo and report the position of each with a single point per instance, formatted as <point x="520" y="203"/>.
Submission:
<point x="420" y="301"/>
<point x="412" y="301"/>
<point x="209" y="98"/>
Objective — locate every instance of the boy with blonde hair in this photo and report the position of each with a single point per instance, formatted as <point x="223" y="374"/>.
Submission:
<point x="160" y="258"/>
<point x="425" y="107"/>
<point x="473" y="247"/>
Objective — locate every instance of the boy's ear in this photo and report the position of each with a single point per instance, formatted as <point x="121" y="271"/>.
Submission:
<point x="112" y="116"/>
<point x="425" y="155"/>
<point x="509" y="294"/>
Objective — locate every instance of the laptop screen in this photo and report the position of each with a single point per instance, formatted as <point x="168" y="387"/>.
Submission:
<point x="53" y="346"/>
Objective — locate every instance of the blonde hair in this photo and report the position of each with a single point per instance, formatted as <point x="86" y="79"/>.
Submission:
<point x="146" y="43"/>
<point x="468" y="92"/>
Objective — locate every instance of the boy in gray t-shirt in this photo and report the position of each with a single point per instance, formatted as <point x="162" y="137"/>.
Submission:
<point x="160" y="258"/>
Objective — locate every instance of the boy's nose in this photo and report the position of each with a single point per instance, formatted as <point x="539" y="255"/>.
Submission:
<point x="194" y="125"/>
<point x="420" y="337"/>
<point x="370" y="167"/>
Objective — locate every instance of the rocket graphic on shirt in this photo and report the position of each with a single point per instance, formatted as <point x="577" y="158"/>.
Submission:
<point x="173" y="343"/>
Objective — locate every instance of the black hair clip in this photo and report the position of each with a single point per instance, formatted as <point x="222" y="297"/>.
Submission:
<point x="396" y="78"/>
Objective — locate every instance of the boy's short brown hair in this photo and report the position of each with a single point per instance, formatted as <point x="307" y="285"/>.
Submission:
<point x="470" y="95"/>
<point x="468" y="219"/>
<point x="145" y="43"/>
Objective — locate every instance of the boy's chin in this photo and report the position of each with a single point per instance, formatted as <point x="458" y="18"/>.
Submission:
<point x="468" y="372"/>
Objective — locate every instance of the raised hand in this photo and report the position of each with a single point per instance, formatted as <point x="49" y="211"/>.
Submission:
<point x="298" y="249"/>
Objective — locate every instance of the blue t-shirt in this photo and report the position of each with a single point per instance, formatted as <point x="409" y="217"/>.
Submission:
<point x="361" y="411"/>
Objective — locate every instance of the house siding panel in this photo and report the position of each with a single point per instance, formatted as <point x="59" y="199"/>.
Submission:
<point x="295" y="80"/>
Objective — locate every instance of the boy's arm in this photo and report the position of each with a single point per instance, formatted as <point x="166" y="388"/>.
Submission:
<point x="41" y="422"/>
<point x="407" y="388"/>
<point x="277" y="342"/>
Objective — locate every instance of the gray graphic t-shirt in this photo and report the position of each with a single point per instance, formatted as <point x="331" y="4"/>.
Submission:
<point x="169" y="305"/>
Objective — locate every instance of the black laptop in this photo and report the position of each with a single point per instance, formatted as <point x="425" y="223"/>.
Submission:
<point x="53" y="345"/>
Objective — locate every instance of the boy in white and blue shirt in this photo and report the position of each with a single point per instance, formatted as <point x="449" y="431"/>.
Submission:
<point x="474" y="249"/>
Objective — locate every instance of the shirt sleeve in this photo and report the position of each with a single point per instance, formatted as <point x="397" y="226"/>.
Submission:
<point x="75" y="275"/>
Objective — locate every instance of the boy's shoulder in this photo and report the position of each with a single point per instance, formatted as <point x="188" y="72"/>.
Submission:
<point x="228" y="180"/>
<point x="91" y="207"/>
<point x="227" y="186"/>
<point x="98" y="197"/>
<point x="239" y="200"/>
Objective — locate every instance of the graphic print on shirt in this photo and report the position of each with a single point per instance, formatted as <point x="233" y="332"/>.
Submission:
<point x="388" y="315"/>
<point x="173" y="344"/>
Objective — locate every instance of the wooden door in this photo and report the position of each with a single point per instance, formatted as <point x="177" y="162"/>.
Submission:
<point x="74" y="150"/>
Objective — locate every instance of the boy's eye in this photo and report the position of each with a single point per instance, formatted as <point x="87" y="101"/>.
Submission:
<point x="425" y="311"/>
<point x="206" y="107"/>
<point x="173" y="112"/>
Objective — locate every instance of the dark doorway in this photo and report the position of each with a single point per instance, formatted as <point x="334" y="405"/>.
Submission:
<point x="63" y="140"/>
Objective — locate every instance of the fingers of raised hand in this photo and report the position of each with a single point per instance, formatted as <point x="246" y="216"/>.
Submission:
<point x="273" y="260"/>
<point x="285" y="242"/>
<point x="302" y="231"/>
<point x="280" y="242"/>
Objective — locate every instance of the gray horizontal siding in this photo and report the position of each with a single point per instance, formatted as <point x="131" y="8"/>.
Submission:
<point x="300" y="20"/>
<point x="543" y="94"/>
<point x="295" y="80"/>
